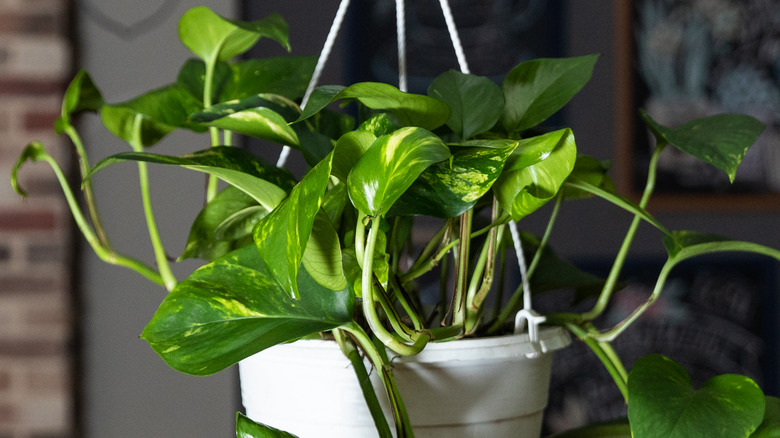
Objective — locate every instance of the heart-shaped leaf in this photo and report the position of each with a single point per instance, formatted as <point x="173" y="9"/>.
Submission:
<point x="258" y="116"/>
<point x="476" y="102"/>
<point x="408" y="109"/>
<point x="232" y="308"/>
<point x="523" y="187"/>
<point x="246" y="428"/>
<point x="254" y="176"/>
<point x="215" y="38"/>
<point x="162" y="110"/>
<point x="449" y="188"/>
<point x="208" y="239"/>
<point x="82" y="95"/>
<point x="720" y="140"/>
<point x="663" y="403"/>
<point x="537" y="89"/>
<point x="281" y="236"/>
<point x="390" y="166"/>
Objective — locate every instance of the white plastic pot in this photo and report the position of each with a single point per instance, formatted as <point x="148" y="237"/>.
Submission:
<point x="467" y="388"/>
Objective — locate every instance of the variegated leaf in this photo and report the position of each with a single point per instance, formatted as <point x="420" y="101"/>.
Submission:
<point x="449" y="188"/>
<point x="232" y="308"/>
<point x="263" y="116"/>
<point x="282" y="235"/>
<point x="390" y="166"/>
<point x="521" y="190"/>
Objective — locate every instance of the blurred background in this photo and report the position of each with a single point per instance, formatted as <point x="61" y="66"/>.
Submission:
<point x="71" y="363"/>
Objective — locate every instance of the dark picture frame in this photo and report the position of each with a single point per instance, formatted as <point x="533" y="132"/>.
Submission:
<point x="679" y="63"/>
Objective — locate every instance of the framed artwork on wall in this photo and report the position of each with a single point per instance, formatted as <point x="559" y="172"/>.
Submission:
<point x="681" y="60"/>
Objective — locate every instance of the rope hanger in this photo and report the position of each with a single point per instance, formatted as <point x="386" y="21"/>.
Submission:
<point x="525" y="315"/>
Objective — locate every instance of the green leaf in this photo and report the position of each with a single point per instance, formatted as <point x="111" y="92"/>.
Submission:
<point x="33" y="152"/>
<point x="209" y="237"/>
<point x="348" y="150"/>
<point x="390" y="166"/>
<point x="592" y="171"/>
<point x="322" y="256"/>
<point x="449" y="188"/>
<point x="281" y="236"/>
<point x="663" y="403"/>
<point x="770" y="427"/>
<point x="287" y="76"/>
<point x="212" y="37"/>
<point x="611" y="196"/>
<point x="408" y="109"/>
<point x="246" y="428"/>
<point x="255" y="177"/>
<point x="163" y="110"/>
<point x="720" y="140"/>
<point x="257" y="116"/>
<point x="321" y="97"/>
<point x="82" y="95"/>
<point x="232" y="308"/>
<point x="537" y="89"/>
<point x="476" y="102"/>
<point x="523" y="187"/>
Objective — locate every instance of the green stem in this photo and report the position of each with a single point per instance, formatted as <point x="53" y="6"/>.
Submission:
<point x="501" y="278"/>
<point x="364" y="380"/>
<point x="392" y="316"/>
<point x="208" y="84"/>
<point x="89" y="196"/>
<point x="108" y="255"/>
<point x="513" y="304"/>
<point x="143" y="176"/>
<point x="369" y="303"/>
<point x="607" y="357"/>
<point x="428" y="249"/>
<point x="701" y="249"/>
<point x="405" y="301"/>
<point x="462" y="270"/>
<point x="617" y="266"/>
<point x="378" y="357"/>
<point x="421" y="267"/>
<point x="477" y="296"/>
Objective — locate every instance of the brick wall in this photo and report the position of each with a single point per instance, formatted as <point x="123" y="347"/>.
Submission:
<point x="36" y="358"/>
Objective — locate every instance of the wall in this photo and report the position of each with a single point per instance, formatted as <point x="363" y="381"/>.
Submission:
<point x="36" y="363"/>
<point x="127" y="389"/>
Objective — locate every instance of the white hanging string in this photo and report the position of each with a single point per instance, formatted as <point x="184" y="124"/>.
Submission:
<point x="526" y="313"/>
<point x="400" y="25"/>
<point x="450" y="20"/>
<point x="338" y="21"/>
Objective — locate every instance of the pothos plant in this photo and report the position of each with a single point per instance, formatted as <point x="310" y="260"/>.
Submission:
<point x="331" y="254"/>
